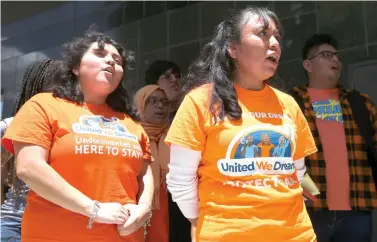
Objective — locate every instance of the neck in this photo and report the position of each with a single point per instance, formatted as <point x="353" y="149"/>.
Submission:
<point x="323" y="83"/>
<point x="173" y="105"/>
<point x="248" y="82"/>
<point x="94" y="99"/>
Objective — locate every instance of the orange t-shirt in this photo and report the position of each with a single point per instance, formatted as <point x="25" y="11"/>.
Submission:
<point x="243" y="196"/>
<point x="98" y="151"/>
<point x="329" y="121"/>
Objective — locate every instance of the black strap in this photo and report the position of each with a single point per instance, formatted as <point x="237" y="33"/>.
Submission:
<point x="299" y="100"/>
<point x="361" y="117"/>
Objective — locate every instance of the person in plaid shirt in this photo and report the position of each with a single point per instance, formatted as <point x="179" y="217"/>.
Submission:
<point x="340" y="167"/>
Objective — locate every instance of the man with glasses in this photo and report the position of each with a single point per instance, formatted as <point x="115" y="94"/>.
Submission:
<point x="340" y="167"/>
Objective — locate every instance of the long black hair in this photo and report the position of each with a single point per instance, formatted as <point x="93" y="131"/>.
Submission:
<point x="216" y="66"/>
<point x="36" y="79"/>
<point x="68" y="86"/>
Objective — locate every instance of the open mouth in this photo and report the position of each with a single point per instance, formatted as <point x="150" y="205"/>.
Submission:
<point x="335" y="68"/>
<point x="273" y="59"/>
<point x="109" y="70"/>
<point x="160" y="115"/>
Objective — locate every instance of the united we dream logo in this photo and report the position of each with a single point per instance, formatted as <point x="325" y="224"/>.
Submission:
<point x="248" y="166"/>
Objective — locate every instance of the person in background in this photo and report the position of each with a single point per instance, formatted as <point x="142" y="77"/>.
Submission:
<point x="153" y="107"/>
<point x="2" y="103"/>
<point x="167" y="75"/>
<point x="340" y="168"/>
<point x="81" y="152"/>
<point x="37" y="79"/>
<point x="227" y="100"/>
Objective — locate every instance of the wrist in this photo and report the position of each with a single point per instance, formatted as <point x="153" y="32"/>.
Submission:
<point x="147" y="205"/>
<point x="88" y="208"/>
<point x="93" y="216"/>
<point x="193" y="221"/>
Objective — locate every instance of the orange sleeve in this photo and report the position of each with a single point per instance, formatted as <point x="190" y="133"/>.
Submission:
<point x="145" y="145"/>
<point x="30" y="125"/>
<point x="305" y="144"/>
<point x="188" y="126"/>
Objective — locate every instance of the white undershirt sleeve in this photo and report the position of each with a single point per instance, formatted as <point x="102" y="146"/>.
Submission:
<point x="182" y="179"/>
<point x="300" y="168"/>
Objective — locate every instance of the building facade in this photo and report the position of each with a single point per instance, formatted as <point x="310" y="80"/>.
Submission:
<point x="178" y="30"/>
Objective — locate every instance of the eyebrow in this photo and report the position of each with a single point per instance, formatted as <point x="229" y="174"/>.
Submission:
<point x="103" y="49"/>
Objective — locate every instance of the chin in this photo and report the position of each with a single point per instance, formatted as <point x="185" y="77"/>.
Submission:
<point x="174" y="96"/>
<point x="106" y="85"/>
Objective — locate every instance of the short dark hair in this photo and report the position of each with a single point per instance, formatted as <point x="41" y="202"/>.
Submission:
<point x="68" y="87"/>
<point x="317" y="40"/>
<point x="158" y="68"/>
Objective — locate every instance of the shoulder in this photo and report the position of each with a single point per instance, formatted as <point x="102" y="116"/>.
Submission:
<point x="200" y="98"/>
<point x="44" y="102"/>
<point x="285" y="98"/>
<point x="201" y="93"/>
<point x="47" y="100"/>
<point x="43" y="98"/>
<point x="367" y="98"/>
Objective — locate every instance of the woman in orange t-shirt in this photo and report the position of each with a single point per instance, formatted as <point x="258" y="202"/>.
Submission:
<point x="153" y="107"/>
<point x="222" y="173"/>
<point x="85" y="159"/>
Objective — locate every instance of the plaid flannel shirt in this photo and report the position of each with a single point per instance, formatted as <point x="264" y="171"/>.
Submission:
<point x="363" y="193"/>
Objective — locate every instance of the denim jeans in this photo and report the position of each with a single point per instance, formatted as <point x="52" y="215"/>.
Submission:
<point x="10" y="230"/>
<point x="341" y="226"/>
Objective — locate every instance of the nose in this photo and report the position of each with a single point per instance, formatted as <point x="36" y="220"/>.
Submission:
<point x="160" y="105"/>
<point x="173" y="78"/>
<point x="274" y="43"/>
<point x="335" y="58"/>
<point x="109" y="60"/>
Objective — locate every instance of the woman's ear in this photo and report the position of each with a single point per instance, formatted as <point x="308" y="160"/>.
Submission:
<point x="232" y="50"/>
<point x="76" y="71"/>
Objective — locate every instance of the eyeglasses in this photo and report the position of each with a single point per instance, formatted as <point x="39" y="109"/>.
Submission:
<point x="155" y="101"/>
<point x="328" y="55"/>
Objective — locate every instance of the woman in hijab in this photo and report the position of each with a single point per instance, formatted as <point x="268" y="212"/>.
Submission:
<point x="153" y="107"/>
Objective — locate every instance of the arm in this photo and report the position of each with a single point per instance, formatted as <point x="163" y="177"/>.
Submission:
<point x="182" y="180"/>
<point x="139" y="213"/>
<point x="32" y="168"/>
<point x="300" y="168"/>
<point x="146" y="186"/>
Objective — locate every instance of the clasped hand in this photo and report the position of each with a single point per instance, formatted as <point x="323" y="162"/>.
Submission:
<point x="138" y="216"/>
<point x="129" y="217"/>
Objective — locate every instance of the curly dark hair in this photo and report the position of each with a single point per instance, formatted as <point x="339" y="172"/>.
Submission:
<point x="67" y="84"/>
<point x="36" y="79"/>
<point x="215" y="65"/>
